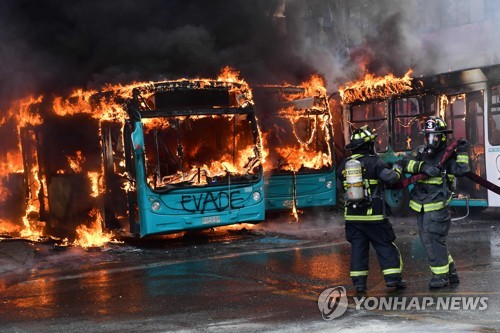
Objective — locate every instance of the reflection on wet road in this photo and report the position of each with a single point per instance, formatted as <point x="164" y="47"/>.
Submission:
<point x="245" y="281"/>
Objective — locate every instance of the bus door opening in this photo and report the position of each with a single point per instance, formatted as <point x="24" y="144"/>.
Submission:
<point x="464" y="114"/>
<point x="493" y="151"/>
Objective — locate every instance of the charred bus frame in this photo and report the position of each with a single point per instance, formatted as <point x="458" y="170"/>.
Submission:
<point x="305" y="187"/>
<point x="62" y="194"/>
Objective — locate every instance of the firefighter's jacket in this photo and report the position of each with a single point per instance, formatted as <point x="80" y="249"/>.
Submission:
<point x="434" y="193"/>
<point x="376" y="173"/>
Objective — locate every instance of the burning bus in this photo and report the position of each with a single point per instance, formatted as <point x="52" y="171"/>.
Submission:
<point x="192" y="155"/>
<point x="14" y="208"/>
<point x="397" y="106"/>
<point x="59" y="142"/>
<point x="155" y="158"/>
<point x="54" y="166"/>
<point x="298" y="142"/>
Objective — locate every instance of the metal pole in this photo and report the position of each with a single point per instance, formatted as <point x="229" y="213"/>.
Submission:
<point x="158" y="171"/>
<point x="179" y="147"/>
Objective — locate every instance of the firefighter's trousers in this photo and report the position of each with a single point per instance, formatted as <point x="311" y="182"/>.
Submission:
<point x="433" y="228"/>
<point x="381" y="236"/>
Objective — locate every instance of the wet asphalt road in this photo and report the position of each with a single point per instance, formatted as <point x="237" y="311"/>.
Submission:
<point x="267" y="278"/>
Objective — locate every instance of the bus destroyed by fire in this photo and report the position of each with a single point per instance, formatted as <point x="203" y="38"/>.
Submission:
<point x="195" y="156"/>
<point x="142" y="159"/>
<point x="163" y="157"/>
<point x="298" y="142"/>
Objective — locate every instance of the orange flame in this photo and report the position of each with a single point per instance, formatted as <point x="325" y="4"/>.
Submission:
<point x="12" y="163"/>
<point x="238" y="226"/>
<point x="299" y="154"/>
<point x="229" y="74"/>
<point x="314" y="87"/>
<point x="100" y="105"/>
<point x="105" y="105"/>
<point x="4" y="192"/>
<point x="308" y="112"/>
<point x="32" y="230"/>
<point x="25" y="113"/>
<point x="477" y="154"/>
<point x="93" y="235"/>
<point x="298" y="158"/>
<point x="76" y="162"/>
<point x="408" y="143"/>
<point x="371" y="87"/>
<point x="94" y="179"/>
<point x="7" y="227"/>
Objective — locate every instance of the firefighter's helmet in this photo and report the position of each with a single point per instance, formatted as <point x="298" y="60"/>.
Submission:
<point x="435" y="130"/>
<point x="360" y="137"/>
<point x="435" y="125"/>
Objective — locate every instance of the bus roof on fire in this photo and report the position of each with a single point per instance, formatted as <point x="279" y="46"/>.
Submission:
<point x="193" y="97"/>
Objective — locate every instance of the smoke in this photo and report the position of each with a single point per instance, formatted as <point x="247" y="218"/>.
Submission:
<point x="52" y="47"/>
<point x="55" y="46"/>
<point x="391" y="36"/>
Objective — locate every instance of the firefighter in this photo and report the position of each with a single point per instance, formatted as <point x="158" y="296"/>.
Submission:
<point x="430" y="197"/>
<point x="363" y="176"/>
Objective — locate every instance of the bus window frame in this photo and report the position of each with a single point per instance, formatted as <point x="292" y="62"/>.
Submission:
<point x="237" y="179"/>
<point x="451" y="116"/>
<point x="173" y="112"/>
<point x="423" y="112"/>
<point x="373" y="120"/>
<point x="491" y="113"/>
<point x="473" y="121"/>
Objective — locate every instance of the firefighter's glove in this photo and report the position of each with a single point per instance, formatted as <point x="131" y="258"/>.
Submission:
<point x="462" y="145"/>
<point x="398" y="168"/>
<point x="401" y="164"/>
<point x="430" y="170"/>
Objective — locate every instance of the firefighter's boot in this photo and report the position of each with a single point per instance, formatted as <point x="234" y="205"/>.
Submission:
<point x="439" y="281"/>
<point x="401" y="284"/>
<point x="395" y="281"/>
<point x="453" y="275"/>
<point x="359" y="283"/>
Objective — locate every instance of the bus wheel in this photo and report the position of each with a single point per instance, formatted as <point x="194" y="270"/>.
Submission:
<point x="398" y="200"/>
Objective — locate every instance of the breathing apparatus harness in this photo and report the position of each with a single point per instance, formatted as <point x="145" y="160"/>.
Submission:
<point x="357" y="185"/>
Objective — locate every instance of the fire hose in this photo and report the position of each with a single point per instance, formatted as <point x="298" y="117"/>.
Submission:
<point x="483" y="182"/>
<point x="446" y="156"/>
<point x="471" y="175"/>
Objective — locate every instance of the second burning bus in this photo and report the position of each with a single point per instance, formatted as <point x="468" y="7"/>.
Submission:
<point x="298" y="142"/>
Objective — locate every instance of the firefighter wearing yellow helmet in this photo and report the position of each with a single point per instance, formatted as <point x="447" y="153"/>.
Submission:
<point x="362" y="176"/>
<point x="430" y="197"/>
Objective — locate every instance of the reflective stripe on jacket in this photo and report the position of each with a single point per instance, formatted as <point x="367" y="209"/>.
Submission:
<point x="434" y="193"/>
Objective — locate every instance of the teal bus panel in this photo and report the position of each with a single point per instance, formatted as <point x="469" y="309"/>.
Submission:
<point x="193" y="207"/>
<point x="311" y="190"/>
<point x="199" y="208"/>
<point x="472" y="203"/>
